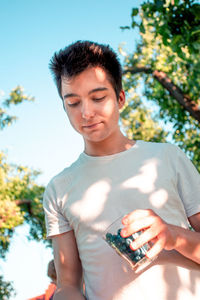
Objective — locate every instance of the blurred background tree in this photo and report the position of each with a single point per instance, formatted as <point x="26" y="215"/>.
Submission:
<point x="164" y="72"/>
<point x="6" y="289"/>
<point x="20" y="196"/>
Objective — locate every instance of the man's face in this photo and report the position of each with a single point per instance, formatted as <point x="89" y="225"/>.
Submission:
<point x="91" y="105"/>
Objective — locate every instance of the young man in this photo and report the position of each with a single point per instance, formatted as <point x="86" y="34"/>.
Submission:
<point x="154" y="186"/>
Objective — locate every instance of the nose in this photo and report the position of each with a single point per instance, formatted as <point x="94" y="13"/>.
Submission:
<point x="87" y="110"/>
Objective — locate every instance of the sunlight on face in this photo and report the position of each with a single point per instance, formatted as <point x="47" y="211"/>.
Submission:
<point x="92" y="106"/>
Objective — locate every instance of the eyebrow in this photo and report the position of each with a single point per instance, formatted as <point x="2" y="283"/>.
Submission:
<point x="99" y="89"/>
<point x="70" y="95"/>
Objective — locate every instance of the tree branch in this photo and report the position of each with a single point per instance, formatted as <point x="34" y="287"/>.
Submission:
<point x="191" y="106"/>
<point x="184" y="100"/>
<point x="138" y="69"/>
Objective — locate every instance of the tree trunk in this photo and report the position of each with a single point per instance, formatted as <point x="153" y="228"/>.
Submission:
<point x="184" y="100"/>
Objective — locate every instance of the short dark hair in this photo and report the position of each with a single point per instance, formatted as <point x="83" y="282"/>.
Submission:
<point x="79" y="56"/>
<point x="51" y="270"/>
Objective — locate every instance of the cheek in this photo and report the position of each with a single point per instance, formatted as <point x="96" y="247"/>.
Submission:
<point x="73" y="118"/>
<point x="110" y="109"/>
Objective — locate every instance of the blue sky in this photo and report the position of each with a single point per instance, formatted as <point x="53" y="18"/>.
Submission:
<point x="42" y="138"/>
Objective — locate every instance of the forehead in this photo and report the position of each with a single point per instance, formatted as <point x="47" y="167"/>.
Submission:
<point x="86" y="80"/>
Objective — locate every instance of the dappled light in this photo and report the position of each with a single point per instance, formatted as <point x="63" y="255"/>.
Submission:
<point x="132" y="108"/>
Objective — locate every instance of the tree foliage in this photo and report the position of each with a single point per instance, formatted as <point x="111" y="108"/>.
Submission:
<point x="16" y="97"/>
<point x="20" y="200"/>
<point x="166" y="66"/>
<point x="6" y="289"/>
<point x="20" y="196"/>
<point x="138" y="120"/>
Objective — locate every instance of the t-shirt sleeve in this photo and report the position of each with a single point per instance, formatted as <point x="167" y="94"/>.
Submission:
<point x="55" y="221"/>
<point x="188" y="183"/>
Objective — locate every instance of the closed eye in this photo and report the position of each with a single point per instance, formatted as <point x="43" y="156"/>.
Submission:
<point x="73" y="104"/>
<point x="99" y="99"/>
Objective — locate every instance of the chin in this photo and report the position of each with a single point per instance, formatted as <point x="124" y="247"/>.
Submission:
<point x="96" y="139"/>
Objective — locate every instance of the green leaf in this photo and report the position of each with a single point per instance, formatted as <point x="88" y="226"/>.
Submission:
<point x="141" y="27"/>
<point x="133" y="24"/>
<point x="134" y="12"/>
<point x="196" y="45"/>
<point x="125" y="27"/>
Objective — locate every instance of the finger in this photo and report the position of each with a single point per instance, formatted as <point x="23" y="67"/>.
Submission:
<point x="137" y="214"/>
<point x="157" y="247"/>
<point x="145" y="237"/>
<point x="137" y="225"/>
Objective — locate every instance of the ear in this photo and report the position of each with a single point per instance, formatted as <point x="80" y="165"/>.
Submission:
<point x="121" y="99"/>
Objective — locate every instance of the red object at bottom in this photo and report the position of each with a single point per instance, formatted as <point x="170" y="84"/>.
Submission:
<point x="48" y="293"/>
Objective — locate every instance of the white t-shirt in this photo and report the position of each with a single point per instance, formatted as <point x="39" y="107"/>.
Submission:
<point x="94" y="191"/>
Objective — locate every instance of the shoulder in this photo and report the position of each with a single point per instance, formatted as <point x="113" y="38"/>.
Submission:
<point x="153" y="147"/>
<point x="164" y="154"/>
<point x="171" y="156"/>
<point x="63" y="178"/>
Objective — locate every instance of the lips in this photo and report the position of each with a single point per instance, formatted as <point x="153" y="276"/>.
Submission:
<point x="91" y="126"/>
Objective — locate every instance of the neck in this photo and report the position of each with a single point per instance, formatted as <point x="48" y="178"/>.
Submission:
<point x="110" y="146"/>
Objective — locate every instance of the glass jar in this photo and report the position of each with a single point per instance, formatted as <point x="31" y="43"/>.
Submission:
<point x="136" y="258"/>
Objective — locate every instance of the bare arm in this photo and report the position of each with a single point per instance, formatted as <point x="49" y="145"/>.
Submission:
<point x="164" y="235"/>
<point x="68" y="267"/>
<point x="188" y="242"/>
